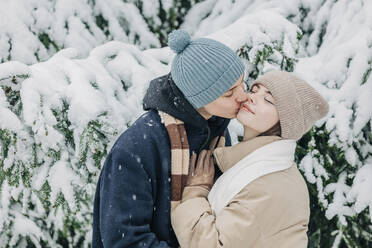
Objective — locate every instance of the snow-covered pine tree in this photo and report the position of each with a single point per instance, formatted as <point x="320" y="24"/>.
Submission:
<point x="67" y="112"/>
<point x="163" y="16"/>
<point x="336" y="157"/>
<point x="58" y="120"/>
<point x="40" y="140"/>
<point x="34" y="30"/>
<point x="37" y="29"/>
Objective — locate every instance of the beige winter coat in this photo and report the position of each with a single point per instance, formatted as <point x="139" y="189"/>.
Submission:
<point x="271" y="211"/>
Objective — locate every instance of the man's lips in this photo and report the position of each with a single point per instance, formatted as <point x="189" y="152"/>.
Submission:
<point x="247" y="108"/>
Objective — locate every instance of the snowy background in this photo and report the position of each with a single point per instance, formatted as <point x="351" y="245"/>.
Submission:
<point x="73" y="74"/>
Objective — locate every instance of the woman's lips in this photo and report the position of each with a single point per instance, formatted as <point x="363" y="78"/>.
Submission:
<point x="247" y="108"/>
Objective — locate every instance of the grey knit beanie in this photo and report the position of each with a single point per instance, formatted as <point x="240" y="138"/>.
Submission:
<point x="299" y="105"/>
<point x="203" y="69"/>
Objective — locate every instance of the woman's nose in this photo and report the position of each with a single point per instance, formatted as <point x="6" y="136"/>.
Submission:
<point x="251" y="98"/>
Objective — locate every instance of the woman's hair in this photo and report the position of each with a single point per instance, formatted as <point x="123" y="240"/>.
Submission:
<point x="275" y="130"/>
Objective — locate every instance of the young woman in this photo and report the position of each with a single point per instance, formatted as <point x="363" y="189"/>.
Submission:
<point x="261" y="199"/>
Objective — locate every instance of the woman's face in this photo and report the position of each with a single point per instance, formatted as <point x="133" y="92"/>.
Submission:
<point x="259" y="111"/>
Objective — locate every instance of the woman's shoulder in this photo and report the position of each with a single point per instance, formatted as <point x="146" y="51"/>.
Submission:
<point x="279" y="183"/>
<point x="278" y="200"/>
<point x="283" y="190"/>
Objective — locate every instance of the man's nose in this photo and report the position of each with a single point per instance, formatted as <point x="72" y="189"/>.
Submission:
<point x="241" y="96"/>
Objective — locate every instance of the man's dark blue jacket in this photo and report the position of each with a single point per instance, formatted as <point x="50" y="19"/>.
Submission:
<point x="132" y="200"/>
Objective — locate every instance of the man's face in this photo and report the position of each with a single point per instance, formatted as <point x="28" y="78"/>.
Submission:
<point x="227" y="105"/>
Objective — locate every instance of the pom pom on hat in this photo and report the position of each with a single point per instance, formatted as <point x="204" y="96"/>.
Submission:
<point x="178" y="40"/>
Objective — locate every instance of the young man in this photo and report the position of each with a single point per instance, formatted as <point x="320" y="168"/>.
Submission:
<point x="133" y="197"/>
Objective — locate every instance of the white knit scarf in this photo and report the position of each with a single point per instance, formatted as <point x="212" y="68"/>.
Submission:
<point x="275" y="156"/>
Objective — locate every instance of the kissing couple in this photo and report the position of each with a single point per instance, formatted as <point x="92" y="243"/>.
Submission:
<point x="172" y="179"/>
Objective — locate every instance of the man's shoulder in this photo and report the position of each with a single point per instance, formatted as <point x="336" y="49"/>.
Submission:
<point x="148" y="122"/>
<point x="146" y="131"/>
<point x="150" y="118"/>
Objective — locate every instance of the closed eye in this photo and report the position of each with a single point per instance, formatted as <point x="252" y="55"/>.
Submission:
<point x="269" y="102"/>
<point x="228" y="93"/>
<point x="252" y="91"/>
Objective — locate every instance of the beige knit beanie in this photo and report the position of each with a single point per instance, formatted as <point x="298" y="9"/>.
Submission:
<point x="299" y="105"/>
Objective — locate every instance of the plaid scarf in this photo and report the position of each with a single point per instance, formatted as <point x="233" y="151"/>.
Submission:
<point x="180" y="155"/>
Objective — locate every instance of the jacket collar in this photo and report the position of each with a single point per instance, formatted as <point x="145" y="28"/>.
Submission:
<point x="226" y="157"/>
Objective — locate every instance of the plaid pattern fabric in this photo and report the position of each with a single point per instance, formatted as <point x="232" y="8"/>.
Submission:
<point x="180" y="155"/>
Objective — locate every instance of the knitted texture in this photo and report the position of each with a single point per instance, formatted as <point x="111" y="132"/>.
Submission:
<point x="180" y="155"/>
<point x="203" y="69"/>
<point x="178" y="40"/>
<point x="299" y="105"/>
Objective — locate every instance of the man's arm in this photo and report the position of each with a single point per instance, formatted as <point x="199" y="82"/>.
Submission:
<point x="126" y="203"/>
